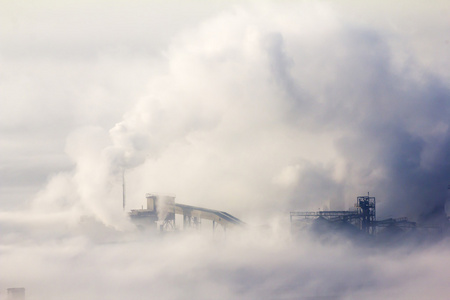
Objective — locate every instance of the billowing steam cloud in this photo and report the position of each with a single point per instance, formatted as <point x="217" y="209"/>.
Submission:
<point x="256" y="110"/>
<point x="253" y="112"/>
<point x="303" y="111"/>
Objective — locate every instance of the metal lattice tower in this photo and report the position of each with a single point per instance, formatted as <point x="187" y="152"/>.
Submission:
<point x="367" y="212"/>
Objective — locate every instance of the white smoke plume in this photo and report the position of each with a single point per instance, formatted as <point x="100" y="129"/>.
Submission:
<point x="243" y="105"/>
<point x="296" y="104"/>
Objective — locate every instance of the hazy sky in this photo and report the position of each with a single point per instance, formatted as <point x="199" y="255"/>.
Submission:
<point x="256" y="108"/>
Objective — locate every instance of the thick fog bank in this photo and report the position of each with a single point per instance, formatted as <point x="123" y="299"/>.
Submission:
<point x="243" y="264"/>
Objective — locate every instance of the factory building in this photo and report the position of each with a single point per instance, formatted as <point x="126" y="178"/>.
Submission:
<point x="162" y="209"/>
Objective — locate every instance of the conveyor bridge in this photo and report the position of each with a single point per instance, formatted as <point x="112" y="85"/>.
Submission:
<point x="161" y="210"/>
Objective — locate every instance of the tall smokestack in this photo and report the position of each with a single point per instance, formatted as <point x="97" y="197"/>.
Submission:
<point x="123" y="189"/>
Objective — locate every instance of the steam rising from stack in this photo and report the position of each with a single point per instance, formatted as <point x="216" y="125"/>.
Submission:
<point x="339" y="107"/>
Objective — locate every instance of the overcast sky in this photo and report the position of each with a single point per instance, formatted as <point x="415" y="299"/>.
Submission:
<point x="256" y="108"/>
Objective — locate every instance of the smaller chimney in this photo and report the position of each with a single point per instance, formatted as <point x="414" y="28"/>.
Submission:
<point x="123" y="189"/>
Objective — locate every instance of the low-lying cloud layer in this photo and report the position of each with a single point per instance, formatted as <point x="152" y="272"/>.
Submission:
<point x="257" y="110"/>
<point x="246" y="265"/>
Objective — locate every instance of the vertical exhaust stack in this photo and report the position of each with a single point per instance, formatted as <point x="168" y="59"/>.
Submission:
<point x="123" y="189"/>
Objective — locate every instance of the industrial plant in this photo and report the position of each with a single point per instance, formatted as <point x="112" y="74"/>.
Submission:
<point x="362" y="218"/>
<point x="161" y="211"/>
